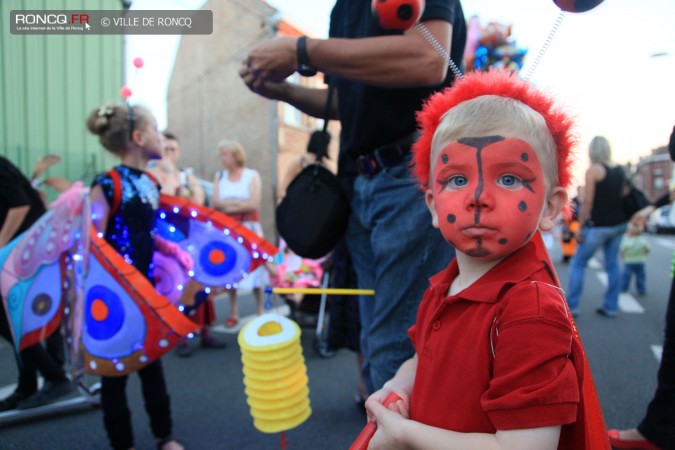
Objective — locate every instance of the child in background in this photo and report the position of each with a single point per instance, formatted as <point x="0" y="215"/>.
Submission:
<point x="131" y="134"/>
<point x="634" y="250"/>
<point x="495" y="345"/>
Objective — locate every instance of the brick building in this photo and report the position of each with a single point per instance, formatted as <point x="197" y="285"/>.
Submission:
<point x="652" y="174"/>
<point x="208" y="102"/>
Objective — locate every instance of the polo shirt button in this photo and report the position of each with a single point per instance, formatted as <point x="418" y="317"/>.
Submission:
<point x="436" y="325"/>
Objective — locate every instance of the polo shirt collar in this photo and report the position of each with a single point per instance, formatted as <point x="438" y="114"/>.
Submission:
<point x="513" y="269"/>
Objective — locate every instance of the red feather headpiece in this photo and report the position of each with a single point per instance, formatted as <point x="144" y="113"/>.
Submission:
<point x="503" y="84"/>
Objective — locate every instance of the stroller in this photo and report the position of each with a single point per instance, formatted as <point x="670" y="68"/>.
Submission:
<point x="307" y="310"/>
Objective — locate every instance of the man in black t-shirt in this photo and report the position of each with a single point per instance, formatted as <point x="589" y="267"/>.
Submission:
<point x="381" y="78"/>
<point x="20" y="207"/>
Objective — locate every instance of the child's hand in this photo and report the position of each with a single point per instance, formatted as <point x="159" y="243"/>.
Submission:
<point x="389" y="422"/>
<point x="401" y="406"/>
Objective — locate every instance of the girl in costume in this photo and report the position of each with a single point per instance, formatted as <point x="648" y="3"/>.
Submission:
<point x="128" y="225"/>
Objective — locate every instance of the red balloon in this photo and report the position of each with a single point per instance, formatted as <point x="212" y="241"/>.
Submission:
<point x="138" y="62"/>
<point x="125" y="92"/>
<point x="397" y="14"/>
<point x="577" y="6"/>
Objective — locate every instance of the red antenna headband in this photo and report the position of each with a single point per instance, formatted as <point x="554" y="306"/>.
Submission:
<point x="503" y="84"/>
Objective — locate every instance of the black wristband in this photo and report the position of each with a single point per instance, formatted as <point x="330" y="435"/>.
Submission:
<point x="304" y="67"/>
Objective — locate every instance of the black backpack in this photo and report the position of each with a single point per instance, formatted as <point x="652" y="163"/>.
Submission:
<point x="314" y="214"/>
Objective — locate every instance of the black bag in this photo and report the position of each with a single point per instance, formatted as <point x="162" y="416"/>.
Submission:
<point x="314" y="214"/>
<point x="633" y="200"/>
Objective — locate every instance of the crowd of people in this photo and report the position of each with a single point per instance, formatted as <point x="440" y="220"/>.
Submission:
<point x="459" y="292"/>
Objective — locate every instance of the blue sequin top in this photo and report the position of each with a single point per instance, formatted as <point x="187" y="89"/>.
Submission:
<point x="132" y="228"/>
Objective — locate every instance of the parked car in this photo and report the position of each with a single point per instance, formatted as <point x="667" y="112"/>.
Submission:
<point x="659" y="221"/>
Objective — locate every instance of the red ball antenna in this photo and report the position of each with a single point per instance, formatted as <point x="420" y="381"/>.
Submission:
<point x="397" y="14"/>
<point x="577" y="6"/>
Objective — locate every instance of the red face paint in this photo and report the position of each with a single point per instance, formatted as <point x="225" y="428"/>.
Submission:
<point x="489" y="193"/>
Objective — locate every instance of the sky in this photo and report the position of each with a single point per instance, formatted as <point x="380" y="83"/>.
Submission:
<point x="600" y="65"/>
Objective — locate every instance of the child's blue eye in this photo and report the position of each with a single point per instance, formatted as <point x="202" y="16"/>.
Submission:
<point x="509" y="181"/>
<point x="457" y="181"/>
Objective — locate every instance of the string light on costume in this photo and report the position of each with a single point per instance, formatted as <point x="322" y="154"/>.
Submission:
<point x="220" y="258"/>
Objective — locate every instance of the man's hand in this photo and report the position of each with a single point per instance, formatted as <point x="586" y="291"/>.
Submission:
<point x="273" y="90"/>
<point x="273" y="60"/>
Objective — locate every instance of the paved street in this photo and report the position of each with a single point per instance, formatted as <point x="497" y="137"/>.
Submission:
<point x="209" y="404"/>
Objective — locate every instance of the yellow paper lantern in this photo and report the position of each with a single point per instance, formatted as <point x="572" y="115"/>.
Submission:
<point x="275" y="374"/>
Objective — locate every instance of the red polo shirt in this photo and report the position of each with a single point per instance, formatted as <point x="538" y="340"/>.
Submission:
<point x="495" y="356"/>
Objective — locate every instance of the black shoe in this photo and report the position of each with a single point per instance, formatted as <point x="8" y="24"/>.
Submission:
<point x="607" y="314"/>
<point x="211" y="342"/>
<point x="12" y="401"/>
<point x="322" y="348"/>
<point x="183" y="349"/>
<point x="49" y="393"/>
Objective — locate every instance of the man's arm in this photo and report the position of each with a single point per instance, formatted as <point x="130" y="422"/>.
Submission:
<point x="14" y="219"/>
<point x="394" y="61"/>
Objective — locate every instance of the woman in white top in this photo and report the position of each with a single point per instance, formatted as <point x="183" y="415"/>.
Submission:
<point x="236" y="192"/>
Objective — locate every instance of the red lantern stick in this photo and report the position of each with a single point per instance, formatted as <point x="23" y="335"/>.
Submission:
<point x="362" y="440"/>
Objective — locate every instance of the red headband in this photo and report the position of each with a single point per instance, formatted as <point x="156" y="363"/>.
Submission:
<point x="503" y="84"/>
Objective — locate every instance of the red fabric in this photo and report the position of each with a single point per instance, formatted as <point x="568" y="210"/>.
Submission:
<point x="117" y="192"/>
<point x="205" y="314"/>
<point x="529" y="382"/>
<point x="248" y="216"/>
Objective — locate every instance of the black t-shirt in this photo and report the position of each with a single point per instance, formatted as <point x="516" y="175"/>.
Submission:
<point x="16" y="191"/>
<point x="132" y="228"/>
<point x="607" y="210"/>
<point x="373" y="116"/>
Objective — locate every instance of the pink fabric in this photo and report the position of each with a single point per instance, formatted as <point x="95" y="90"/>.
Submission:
<point x="308" y="274"/>
<point x="169" y="248"/>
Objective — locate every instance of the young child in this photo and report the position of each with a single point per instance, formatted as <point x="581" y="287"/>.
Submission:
<point x="131" y="134"/>
<point x="634" y="250"/>
<point x="493" y="336"/>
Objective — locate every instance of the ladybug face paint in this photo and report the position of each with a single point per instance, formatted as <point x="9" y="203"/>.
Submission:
<point x="488" y="194"/>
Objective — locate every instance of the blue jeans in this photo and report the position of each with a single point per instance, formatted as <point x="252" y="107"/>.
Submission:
<point x="395" y="250"/>
<point x="628" y="270"/>
<point x="609" y="238"/>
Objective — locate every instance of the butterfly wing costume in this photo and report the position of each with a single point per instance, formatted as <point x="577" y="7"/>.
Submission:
<point x="116" y="320"/>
